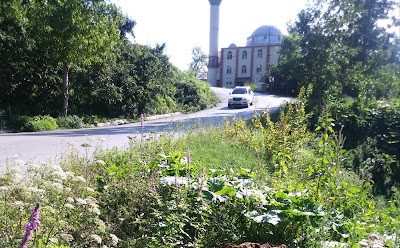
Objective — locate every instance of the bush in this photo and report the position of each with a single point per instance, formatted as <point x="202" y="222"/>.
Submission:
<point x="40" y="123"/>
<point x="17" y="123"/>
<point x="70" y="122"/>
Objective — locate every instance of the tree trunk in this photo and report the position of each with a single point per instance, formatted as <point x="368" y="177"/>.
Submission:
<point x="65" y="89"/>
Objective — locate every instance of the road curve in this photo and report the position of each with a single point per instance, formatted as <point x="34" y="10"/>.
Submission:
<point x="52" y="146"/>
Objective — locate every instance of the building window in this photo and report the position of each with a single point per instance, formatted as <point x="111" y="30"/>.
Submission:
<point x="259" y="53"/>
<point x="244" y="69"/>
<point x="244" y="55"/>
<point x="259" y="68"/>
<point x="229" y="55"/>
<point x="229" y="70"/>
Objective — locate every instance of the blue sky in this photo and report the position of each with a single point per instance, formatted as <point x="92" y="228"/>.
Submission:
<point x="184" y="24"/>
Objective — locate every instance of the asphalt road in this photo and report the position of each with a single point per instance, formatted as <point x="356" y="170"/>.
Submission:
<point x="55" y="145"/>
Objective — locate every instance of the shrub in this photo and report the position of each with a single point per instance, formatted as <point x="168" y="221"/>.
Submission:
<point x="18" y="123"/>
<point x="33" y="124"/>
<point x="41" y="123"/>
<point x="70" y="122"/>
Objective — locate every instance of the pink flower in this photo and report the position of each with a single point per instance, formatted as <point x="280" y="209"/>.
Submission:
<point x="30" y="227"/>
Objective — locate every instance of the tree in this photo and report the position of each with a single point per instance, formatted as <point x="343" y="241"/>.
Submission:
<point x="199" y="61"/>
<point x="338" y="46"/>
<point x="73" y="32"/>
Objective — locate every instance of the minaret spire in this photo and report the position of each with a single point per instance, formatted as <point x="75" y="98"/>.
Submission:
<point x="213" y="50"/>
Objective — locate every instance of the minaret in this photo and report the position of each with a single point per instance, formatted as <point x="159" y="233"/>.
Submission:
<point x="213" y="52"/>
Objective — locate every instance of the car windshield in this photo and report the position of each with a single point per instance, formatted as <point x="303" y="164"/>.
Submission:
<point x="239" y="91"/>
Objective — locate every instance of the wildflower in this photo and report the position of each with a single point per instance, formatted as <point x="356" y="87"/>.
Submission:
<point x="114" y="239"/>
<point x="188" y="158"/>
<point x="57" y="186"/>
<point x="94" y="210"/>
<point x="70" y="199"/>
<point x="53" y="240"/>
<point x="153" y="187"/>
<point x="80" y="179"/>
<point x="35" y="190"/>
<point x="59" y="174"/>
<point x="69" y="174"/>
<point x="66" y="237"/>
<point x="100" y="162"/>
<point x="91" y="201"/>
<point x="88" y="189"/>
<point x="18" y="178"/>
<point x="33" y="166"/>
<point x="19" y="162"/>
<point x="30" y="227"/>
<point x="17" y="204"/>
<point x="100" y="224"/>
<point x="69" y="205"/>
<point x="4" y="189"/>
<point x="56" y="167"/>
<point x="103" y="139"/>
<point x="176" y="182"/>
<point x="96" y="238"/>
<point x="80" y="201"/>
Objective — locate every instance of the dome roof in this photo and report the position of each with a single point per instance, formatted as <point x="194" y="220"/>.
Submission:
<point x="265" y="35"/>
<point x="232" y="45"/>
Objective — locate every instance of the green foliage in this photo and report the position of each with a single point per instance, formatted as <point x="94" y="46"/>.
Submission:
<point x="199" y="61"/>
<point x="372" y="131"/>
<point x="70" y="122"/>
<point x="110" y="76"/>
<point x="283" y="185"/>
<point x="37" y="123"/>
<point x="338" y="48"/>
<point x="193" y="94"/>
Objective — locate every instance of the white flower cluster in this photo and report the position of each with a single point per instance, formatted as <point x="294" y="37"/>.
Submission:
<point x="96" y="238"/>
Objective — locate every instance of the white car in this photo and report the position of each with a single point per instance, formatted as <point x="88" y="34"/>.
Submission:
<point x="241" y="96"/>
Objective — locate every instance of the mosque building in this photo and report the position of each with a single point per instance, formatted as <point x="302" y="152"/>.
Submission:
<point x="234" y="66"/>
<point x="249" y="64"/>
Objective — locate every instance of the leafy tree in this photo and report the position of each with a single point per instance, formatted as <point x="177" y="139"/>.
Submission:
<point x="338" y="45"/>
<point x="199" y="61"/>
<point x="73" y="32"/>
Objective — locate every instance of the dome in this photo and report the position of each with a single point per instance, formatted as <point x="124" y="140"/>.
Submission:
<point x="232" y="45"/>
<point x="265" y="35"/>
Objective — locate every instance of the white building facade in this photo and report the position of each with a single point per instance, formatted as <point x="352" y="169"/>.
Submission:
<point x="249" y="64"/>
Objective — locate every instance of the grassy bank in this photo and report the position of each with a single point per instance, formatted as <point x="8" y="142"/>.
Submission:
<point x="263" y="181"/>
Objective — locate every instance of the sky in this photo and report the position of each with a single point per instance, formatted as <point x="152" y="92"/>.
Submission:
<point x="184" y="24"/>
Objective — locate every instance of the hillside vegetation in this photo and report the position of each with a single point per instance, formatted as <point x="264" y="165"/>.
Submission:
<point x="74" y="59"/>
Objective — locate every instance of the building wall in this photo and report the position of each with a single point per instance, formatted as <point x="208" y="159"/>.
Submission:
<point x="246" y="64"/>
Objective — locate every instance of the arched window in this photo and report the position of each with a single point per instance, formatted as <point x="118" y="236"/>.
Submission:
<point x="244" y="69"/>
<point x="244" y="55"/>
<point x="229" y="70"/>
<point x="259" y="68"/>
<point x="259" y="53"/>
<point x="229" y="55"/>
